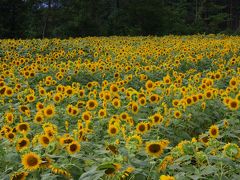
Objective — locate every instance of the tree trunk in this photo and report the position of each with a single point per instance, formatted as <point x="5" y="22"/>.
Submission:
<point x="46" y="19"/>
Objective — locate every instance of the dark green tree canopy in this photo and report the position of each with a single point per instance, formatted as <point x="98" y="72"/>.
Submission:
<point x="74" y="18"/>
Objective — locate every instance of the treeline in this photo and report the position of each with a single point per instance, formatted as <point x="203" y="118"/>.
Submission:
<point x="74" y="18"/>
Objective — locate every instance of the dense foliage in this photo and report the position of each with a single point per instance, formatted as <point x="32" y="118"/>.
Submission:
<point x="120" y="108"/>
<point x="76" y="18"/>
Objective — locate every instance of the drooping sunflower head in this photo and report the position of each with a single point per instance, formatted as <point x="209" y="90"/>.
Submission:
<point x="231" y="150"/>
<point x="19" y="176"/>
<point x="112" y="148"/>
<point x="134" y="140"/>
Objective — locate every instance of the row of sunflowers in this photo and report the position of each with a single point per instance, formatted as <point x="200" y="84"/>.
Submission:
<point x="120" y="108"/>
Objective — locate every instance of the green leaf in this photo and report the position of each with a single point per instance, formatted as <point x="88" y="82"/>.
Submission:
<point x="92" y="174"/>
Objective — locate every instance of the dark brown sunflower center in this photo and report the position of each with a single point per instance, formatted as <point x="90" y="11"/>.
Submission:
<point x="113" y="130"/>
<point x="154" y="148"/>
<point x="23" y="143"/>
<point x="32" y="161"/>
<point x="141" y="127"/>
<point x="49" y="111"/>
<point x="73" y="147"/>
<point x="23" y="127"/>
<point x="86" y="117"/>
<point x="91" y="104"/>
<point x="45" y="140"/>
<point x="110" y="171"/>
<point x="233" y="104"/>
<point x="214" y="131"/>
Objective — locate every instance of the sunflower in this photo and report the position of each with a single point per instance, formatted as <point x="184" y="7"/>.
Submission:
<point x="233" y="82"/>
<point x="50" y="131"/>
<point x="23" y="127"/>
<point x="214" y="131"/>
<point x="31" y="161"/>
<point x="24" y="109"/>
<point x="116" y="102"/>
<point x="141" y="127"/>
<point x="200" y="96"/>
<point x="175" y="102"/>
<point x="22" y="143"/>
<point x="102" y="113"/>
<point x="135" y="108"/>
<point x="110" y="171"/>
<point x="65" y="140"/>
<point x="124" y="116"/>
<point x="86" y="116"/>
<point x="167" y="79"/>
<point x="8" y="92"/>
<point x="69" y="91"/>
<point x="57" y="97"/>
<point x="135" y="139"/>
<point x="72" y="110"/>
<point x="91" y="104"/>
<point x="154" y="98"/>
<point x="30" y="98"/>
<point x="113" y="88"/>
<point x="42" y="91"/>
<point x="154" y="148"/>
<point x="73" y="147"/>
<point x="9" y="117"/>
<point x="195" y="98"/>
<point x="150" y="85"/>
<point x="39" y="106"/>
<point x="10" y="136"/>
<point x="208" y="94"/>
<point x="157" y="118"/>
<point x="177" y="114"/>
<point x="233" y="104"/>
<point x="45" y="162"/>
<point x="166" y="177"/>
<point x="49" y="111"/>
<point x="107" y="96"/>
<point x="19" y="176"/>
<point x="231" y="150"/>
<point x="204" y="139"/>
<point x="81" y="93"/>
<point x="38" y="118"/>
<point x="113" y="130"/>
<point x="142" y="101"/>
<point x="112" y="148"/>
<point x="44" y="140"/>
<point x="189" y="101"/>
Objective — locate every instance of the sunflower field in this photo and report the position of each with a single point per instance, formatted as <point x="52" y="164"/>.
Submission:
<point x="120" y="108"/>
